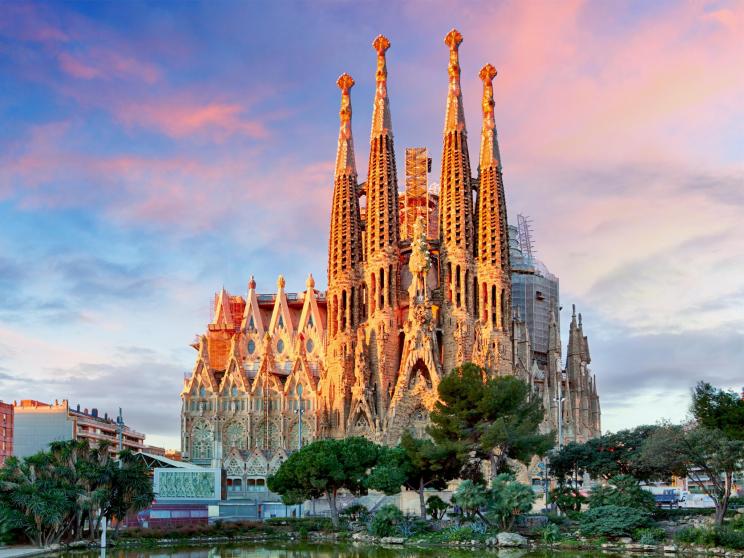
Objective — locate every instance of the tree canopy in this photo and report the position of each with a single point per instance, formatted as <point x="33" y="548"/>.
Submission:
<point x="480" y="418"/>
<point x="704" y="455"/>
<point x="717" y="409"/>
<point x="324" y="467"/>
<point x="607" y="456"/>
<point x="52" y="495"/>
<point x="417" y="464"/>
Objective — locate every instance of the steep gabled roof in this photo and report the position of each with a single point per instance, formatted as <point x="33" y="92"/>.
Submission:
<point x="235" y="373"/>
<point x="281" y="317"/>
<point x="311" y="315"/>
<point x="253" y="317"/>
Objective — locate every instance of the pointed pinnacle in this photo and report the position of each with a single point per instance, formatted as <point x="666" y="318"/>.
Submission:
<point x="381" y="119"/>
<point x="489" y="154"/>
<point x="454" y="120"/>
<point x="345" y="163"/>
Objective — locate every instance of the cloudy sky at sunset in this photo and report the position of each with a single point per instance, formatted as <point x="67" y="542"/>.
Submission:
<point x="151" y="153"/>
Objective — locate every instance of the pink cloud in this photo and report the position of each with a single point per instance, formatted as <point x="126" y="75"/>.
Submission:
<point x="74" y="67"/>
<point x="22" y="20"/>
<point x="184" y="118"/>
<point x="105" y="64"/>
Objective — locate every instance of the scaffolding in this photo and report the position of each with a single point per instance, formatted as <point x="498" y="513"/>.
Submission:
<point x="416" y="200"/>
<point x="524" y="227"/>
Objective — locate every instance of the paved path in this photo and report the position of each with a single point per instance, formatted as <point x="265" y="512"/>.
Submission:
<point x="21" y="551"/>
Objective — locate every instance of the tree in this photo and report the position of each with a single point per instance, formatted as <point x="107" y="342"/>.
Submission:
<point x="493" y="419"/>
<point x="569" y="462"/>
<point x="417" y="464"/>
<point x="716" y="409"/>
<point x="471" y="497"/>
<point x="436" y="507"/>
<point x="34" y="500"/>
<point x="567" y="498"/>
<point x="701" y="454"/>
<point x="131" y="489"/>
<point x="607" y="456"/>
<point x="53" y="494"/>
<point x="622" y="490"/>
<point x="324" y="467"/>
<point x="508" y="499"/>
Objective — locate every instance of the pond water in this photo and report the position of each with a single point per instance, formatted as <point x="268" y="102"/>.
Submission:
<point x="309" y="550"/>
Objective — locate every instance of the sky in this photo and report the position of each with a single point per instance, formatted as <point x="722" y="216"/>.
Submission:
<point x="153" y="152"/>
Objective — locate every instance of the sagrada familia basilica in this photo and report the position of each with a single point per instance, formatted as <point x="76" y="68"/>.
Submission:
<point x="366" y="356"/>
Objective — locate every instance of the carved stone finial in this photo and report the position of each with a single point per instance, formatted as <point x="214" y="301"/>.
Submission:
<point x="487" y="73"/>
<point x="310" y="283"/>
<point x="345" y="82"/>
<point x="345" y="153"/>
<point x="381" y="120"/>
<point x="381" y="44"/>
<point x="454" y="119"/>
<point x="252" y="283"/>
<point x="489" y="145"/>
<point x="453" y="39"/>
<point x="280" y="282"/>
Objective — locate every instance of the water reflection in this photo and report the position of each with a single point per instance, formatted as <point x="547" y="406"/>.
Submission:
<point x="308" y="550"/>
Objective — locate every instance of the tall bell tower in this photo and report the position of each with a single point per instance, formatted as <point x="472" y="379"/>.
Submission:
<point x="382" y="266"/>
<point x="344" y="269"/>
<point x="456" y="230"/>
<point x="494" y="273"/>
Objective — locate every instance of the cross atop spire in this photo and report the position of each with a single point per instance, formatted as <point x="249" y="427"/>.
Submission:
<point x="345" y="154"/>
<point x="381" y="120"/>
<point x="454" y="119"/>
<point x="489" y="151"/>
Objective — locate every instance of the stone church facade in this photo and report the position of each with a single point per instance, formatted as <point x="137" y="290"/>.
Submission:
<point x="366" y="356"/>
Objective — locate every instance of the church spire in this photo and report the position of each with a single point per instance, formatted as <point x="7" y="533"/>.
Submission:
<point x="345" y="243"/>
<point x="382" y="181"/>
<point x="345" y="154"/>
<point x="381" y="120"/>
<point x="454" y="119"/>
<point x="456" y="219"/>
<point x="489" y="152"/>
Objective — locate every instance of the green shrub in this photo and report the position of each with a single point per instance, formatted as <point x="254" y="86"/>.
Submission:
<point x="508" y="499"/>
<point x="730" y="538"/>
<point x="694" y="535"/>
<point x="712" y="536"/>
<point x="313" y="524"/>
<point x="613" y="521"/>
<point x="413" y="525"/>
<point x="652" y="535"/>
<point x="622" y="490"/>
<point x="462" y="533"/>
<point x="550" y="534"/>
<point x="386" y="522"/>
<point x="303" y="532"/>
<point x="737" y="522"/>
<point x="436" y="507"/>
